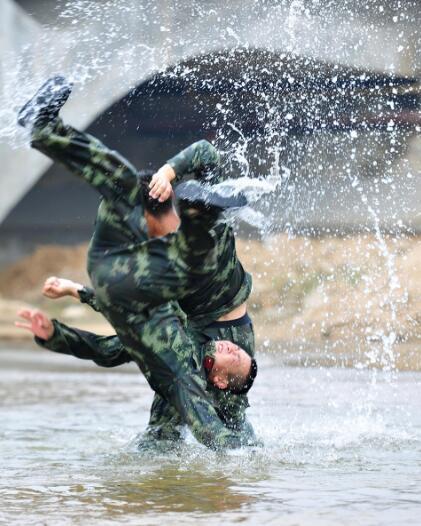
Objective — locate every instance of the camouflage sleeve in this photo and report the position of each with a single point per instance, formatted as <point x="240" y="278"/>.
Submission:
<point x="87" y="295"/>
<point x="199" y="160"/>
<point x="106" y="351"/>
<point x="188" y="397"/>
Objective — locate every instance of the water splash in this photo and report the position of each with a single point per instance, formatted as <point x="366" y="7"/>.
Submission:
<point x="296" y="9"/>
<point x="309" y="140"/>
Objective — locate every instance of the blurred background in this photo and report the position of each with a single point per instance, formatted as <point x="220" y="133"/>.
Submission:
<point x="316" y="102"/>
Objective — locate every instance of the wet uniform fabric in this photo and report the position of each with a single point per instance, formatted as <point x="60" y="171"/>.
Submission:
<point x="136" y="279"/>
<point x="165" y="422"/>
<point x="229" y="285"/>
<point x="218" y="296"/>
<point x="230" y="407"/>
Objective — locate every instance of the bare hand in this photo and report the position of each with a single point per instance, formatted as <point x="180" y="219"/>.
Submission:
<point x="55" y="288"/>
<point x="36" y="322"/>
<point x="160" y="185"/>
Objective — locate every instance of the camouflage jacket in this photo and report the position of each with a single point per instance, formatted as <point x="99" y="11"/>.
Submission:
<point x="108" y="351"/>
<point x="139" y="280"/>
<point x="230" y="286"/>
<point x="226" y="285"/>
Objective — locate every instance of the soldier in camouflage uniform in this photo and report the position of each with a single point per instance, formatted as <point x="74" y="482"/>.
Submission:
<point x="165" y="423"/>
<point x="109" y="352"/>
<point x="136" y="279"/>
<point x="230" y="407"/>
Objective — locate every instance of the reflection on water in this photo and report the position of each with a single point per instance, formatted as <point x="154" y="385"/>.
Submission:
<point x="341" y="447"/>
<point x="173" y="489"/>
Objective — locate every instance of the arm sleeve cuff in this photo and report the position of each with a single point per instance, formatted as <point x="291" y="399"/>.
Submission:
<point x="180" y="167"/>
<point x="87" y="295"/>
<point x="57" y="342"/>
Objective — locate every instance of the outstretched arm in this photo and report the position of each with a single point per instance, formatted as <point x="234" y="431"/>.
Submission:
<point x="199" y="160"/>
<point x="106" y="351"/>
<point x="200" y="415"/>
<point x="55" y="288"/>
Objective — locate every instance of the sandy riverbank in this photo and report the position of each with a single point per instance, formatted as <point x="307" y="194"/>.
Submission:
<point x="339" y="295"/>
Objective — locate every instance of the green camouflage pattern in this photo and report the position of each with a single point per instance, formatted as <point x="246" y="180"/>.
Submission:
<point x="165" y="422"/>
<point x="164" y="419"/>
<point x="200" y="160"/>
<point x="231" y="408"/>
<point x="137" y="280"/>
<point x="228" y="286"/>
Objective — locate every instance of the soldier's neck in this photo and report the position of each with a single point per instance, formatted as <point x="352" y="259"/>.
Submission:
<point x="163" y="225"/>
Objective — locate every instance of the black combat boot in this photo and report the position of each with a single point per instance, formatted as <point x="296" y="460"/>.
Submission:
<point x="206" y="197"/>
<point x="45" y="105"/>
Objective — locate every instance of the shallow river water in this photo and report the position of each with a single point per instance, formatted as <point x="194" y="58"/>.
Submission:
<point x="341" y="447"/>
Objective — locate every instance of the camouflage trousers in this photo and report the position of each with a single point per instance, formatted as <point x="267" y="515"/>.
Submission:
<point x="135" y="279"/>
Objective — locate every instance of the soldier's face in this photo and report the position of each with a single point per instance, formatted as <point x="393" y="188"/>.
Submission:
<point x="230" y="359"/>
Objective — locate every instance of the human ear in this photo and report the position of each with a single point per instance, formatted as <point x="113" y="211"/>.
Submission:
<point x="220" y="383"/>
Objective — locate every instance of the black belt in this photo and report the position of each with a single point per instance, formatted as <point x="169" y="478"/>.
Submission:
<point x="244" y="320"/>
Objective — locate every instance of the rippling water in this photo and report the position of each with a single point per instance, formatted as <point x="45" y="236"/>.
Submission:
<point x="341" y="447"/>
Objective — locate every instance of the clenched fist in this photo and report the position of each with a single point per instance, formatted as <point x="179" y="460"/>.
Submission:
<point x="55" y="288"/>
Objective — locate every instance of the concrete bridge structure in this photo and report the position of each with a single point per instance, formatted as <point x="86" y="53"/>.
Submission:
<point x="113" y="48"/>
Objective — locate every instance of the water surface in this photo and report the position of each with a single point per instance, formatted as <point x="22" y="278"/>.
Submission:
<point x="342" y="446"/>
